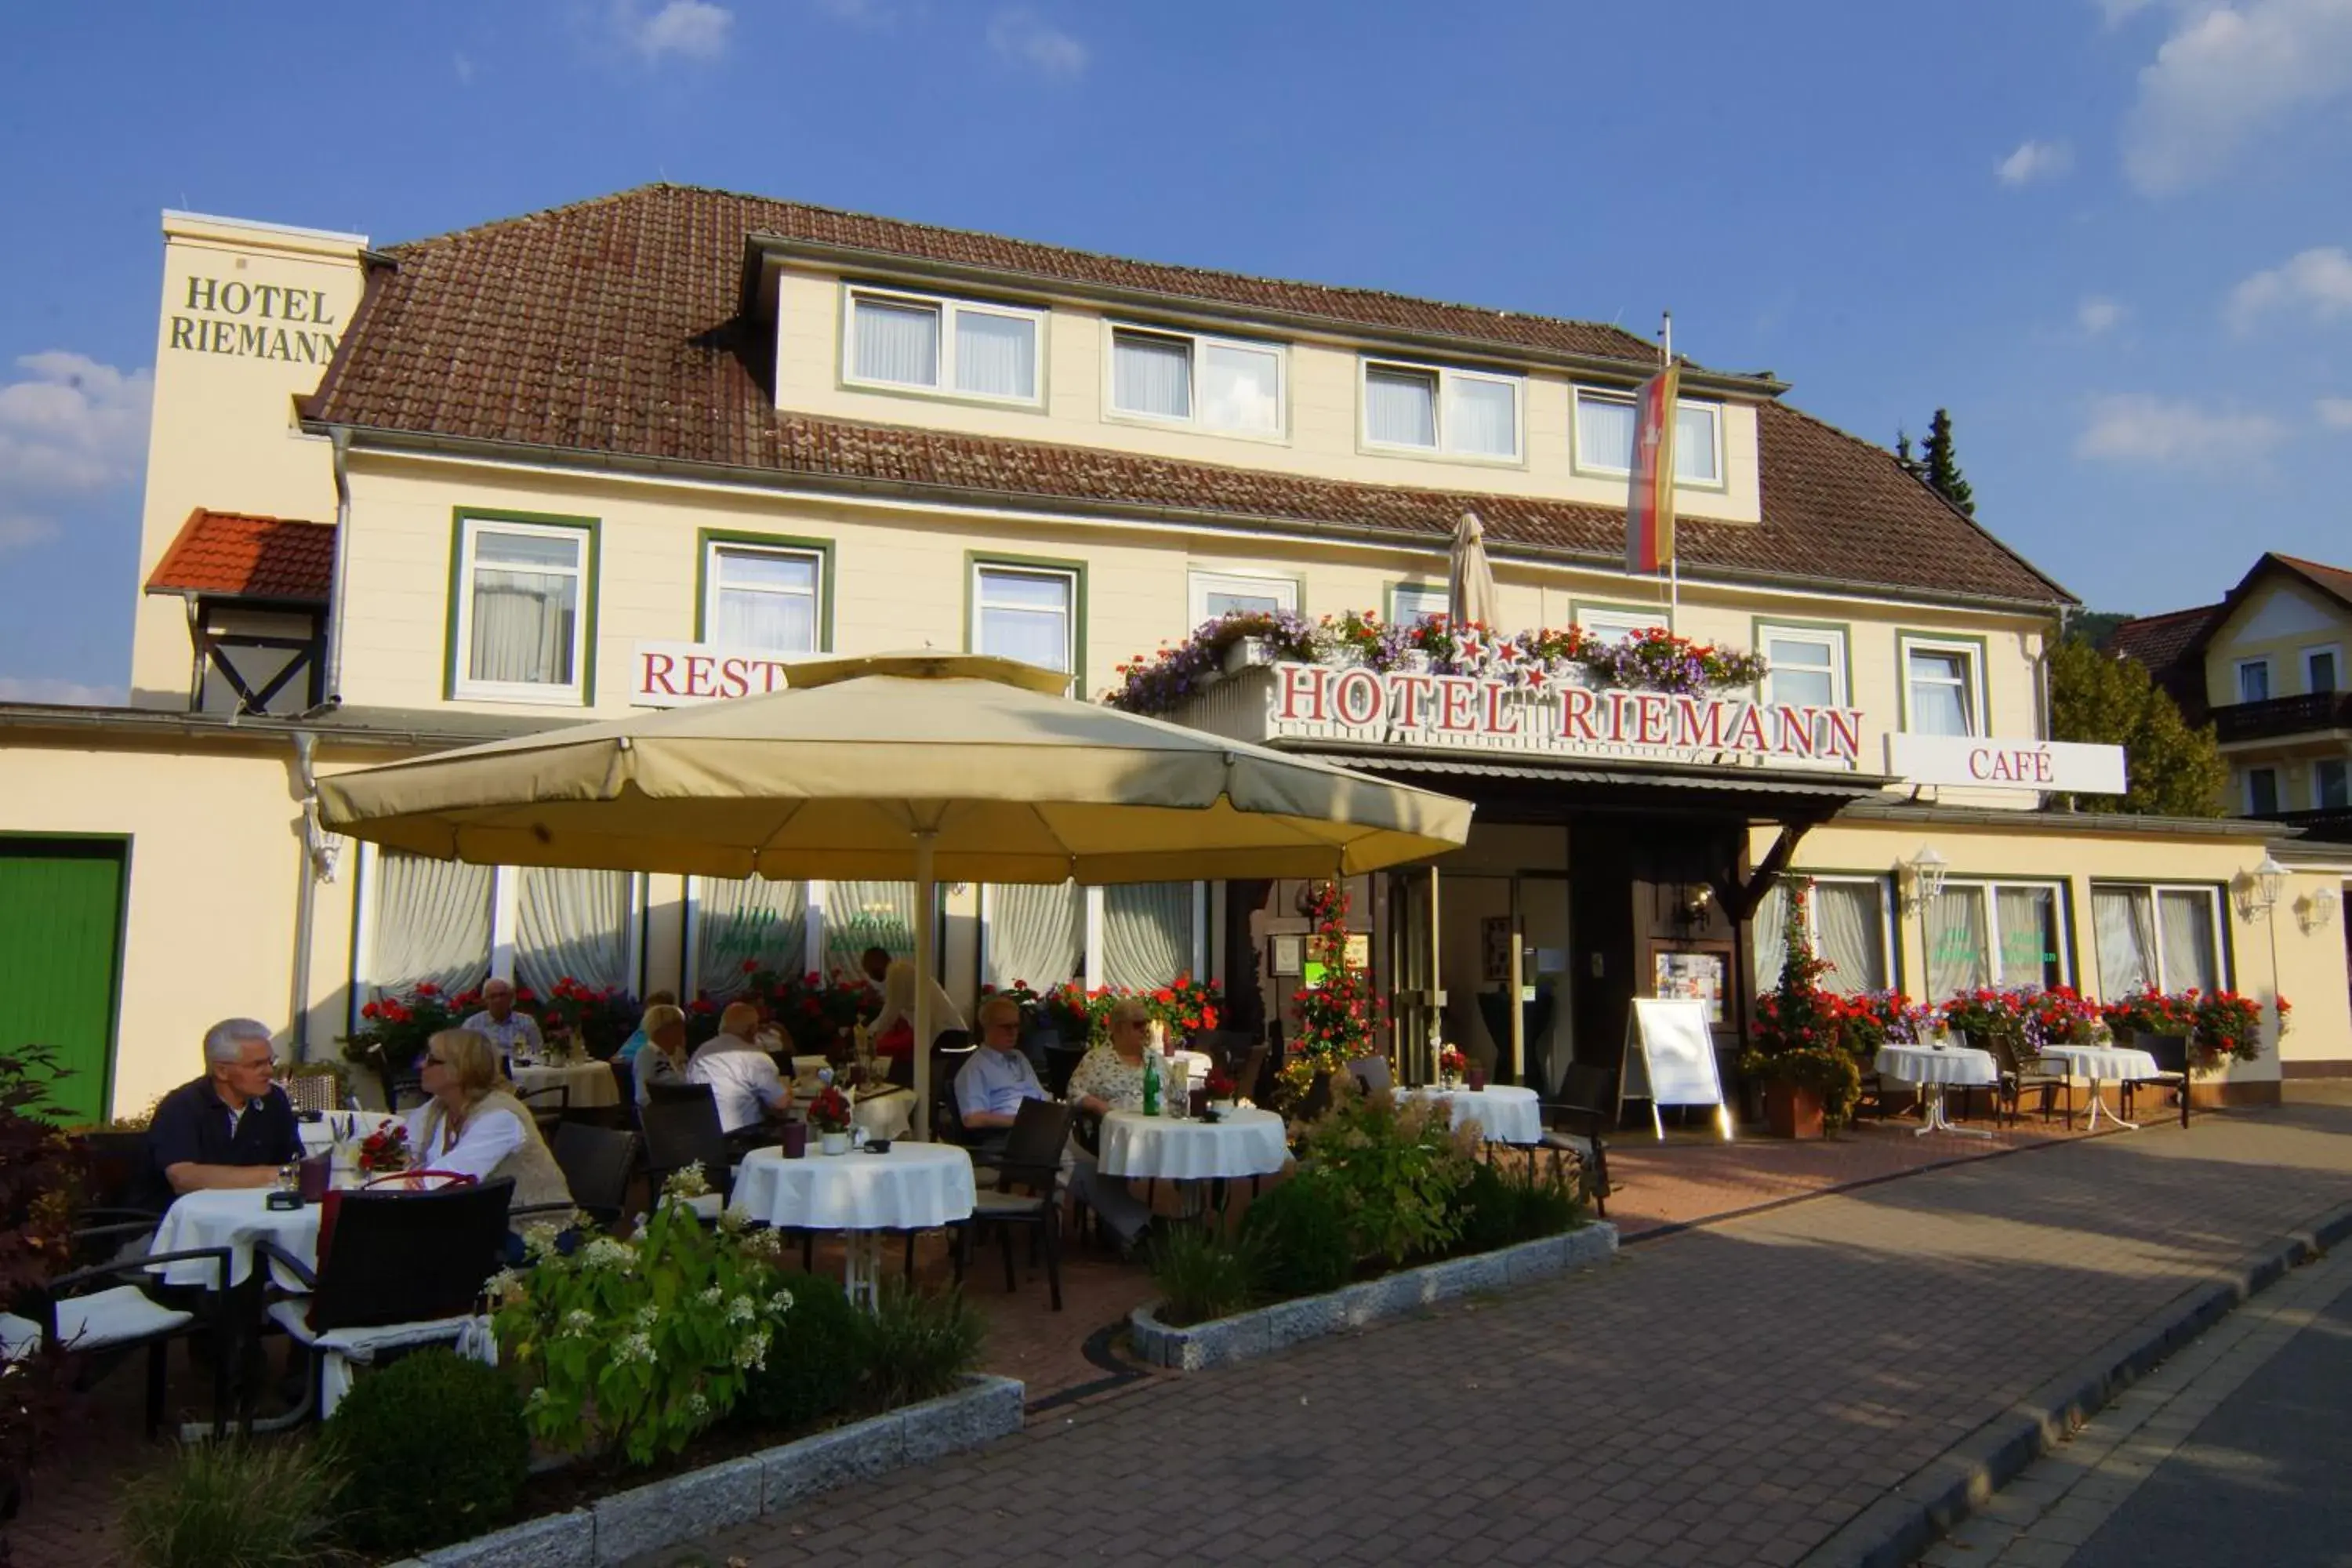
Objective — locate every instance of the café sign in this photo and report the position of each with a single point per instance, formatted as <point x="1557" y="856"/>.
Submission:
<point x="1553" y="718"/>
<point x="1985" y="762"/>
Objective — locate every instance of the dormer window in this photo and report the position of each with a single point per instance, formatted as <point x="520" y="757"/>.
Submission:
<point x="1441" y="410"/>
<point x="957" y="348"/>
<point x="1604" y="437"/>
<point x="1187" y="378"/>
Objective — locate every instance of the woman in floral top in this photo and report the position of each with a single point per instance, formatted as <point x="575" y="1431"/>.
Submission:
<point x="1111" y="1078"/>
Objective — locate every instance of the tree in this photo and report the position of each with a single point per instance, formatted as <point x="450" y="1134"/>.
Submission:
<point x="2172" y="769"/>
<point x="2093" y="627"/>
<point x="1944" y="469"/>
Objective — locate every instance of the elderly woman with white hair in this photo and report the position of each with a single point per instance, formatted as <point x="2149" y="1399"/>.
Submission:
<point x="234" y="1127"/>
<point x="1111" y="1078"/>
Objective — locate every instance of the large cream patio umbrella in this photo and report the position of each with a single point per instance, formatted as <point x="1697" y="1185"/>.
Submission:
<point x="917" y="767"/>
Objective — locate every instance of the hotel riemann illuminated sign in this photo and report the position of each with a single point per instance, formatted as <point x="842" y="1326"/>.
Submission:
<point x="1417" y="707"/>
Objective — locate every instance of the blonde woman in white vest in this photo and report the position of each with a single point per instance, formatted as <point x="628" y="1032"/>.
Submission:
<point x="472" y="1124"/>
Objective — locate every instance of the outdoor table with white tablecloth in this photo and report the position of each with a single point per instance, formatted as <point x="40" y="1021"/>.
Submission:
<point x="320" y="1136"/>
<point x="1933" y="1068"/>
<point x="2098" y="1063"/>
<point x="592" y="1083"/>
<point x="1241" y="1143"/>
<point x="1505" y="1113"/>
<point x="234" y="1217"/>
<point x="912" y="1186"/>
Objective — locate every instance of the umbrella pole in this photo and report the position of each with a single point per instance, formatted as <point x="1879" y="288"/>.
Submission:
<point x="926" y="896"/>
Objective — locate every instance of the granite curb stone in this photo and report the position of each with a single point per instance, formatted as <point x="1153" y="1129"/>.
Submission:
<point x="1894" y="1530"/>
<point x="1245" y="1336"/>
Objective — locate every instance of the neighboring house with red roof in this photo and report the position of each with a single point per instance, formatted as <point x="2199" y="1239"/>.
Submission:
<point x="652" y="447"/>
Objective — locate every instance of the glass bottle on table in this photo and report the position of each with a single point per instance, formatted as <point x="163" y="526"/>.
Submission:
<point x="1150" y="1081"/>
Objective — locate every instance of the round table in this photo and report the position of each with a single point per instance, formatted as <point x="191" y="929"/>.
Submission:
<point x="914" y="1186"/>
<point x="592" y="1083"/>
<point x="234" y="1217"/>
<point x="1505" y="1113"/>
<point x="2121" y="1063"/>
<point x="1932" y="1068"/>
<point x="319" y="1136"/>
<point x="1238" y="1143"/>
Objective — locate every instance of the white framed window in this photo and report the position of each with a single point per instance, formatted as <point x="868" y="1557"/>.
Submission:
<point x="522" y="630"/>
<point x="2253" y="680"/>
<point x="1191" y="378"/>
<point x="1996" y="933"/>
<point x="1212" y="594"/>
<point x="1604" y="426"/>
<point x="1804" y="666"/>
<point x="1027" y="612"/>
<point x="1849" y="920"/>
<point x="927" y="343"/>
<point x="2165" y="937"/>
<point x="1616" y="625"/>
<point x="2322" y="669"/>
<point x="2261" y="792"/>
<point x="1410" y="603"/>
<point x="1436" y="408"/>
<point x="1942" y="686"/>
<point x="1139" y="936"/>
<point x="765" y="597"/>
<point x="2331" y="785"/>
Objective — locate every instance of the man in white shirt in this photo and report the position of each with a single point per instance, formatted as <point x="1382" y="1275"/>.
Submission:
<point x="743" y="1079"/>
<point x="510" y="1034"/>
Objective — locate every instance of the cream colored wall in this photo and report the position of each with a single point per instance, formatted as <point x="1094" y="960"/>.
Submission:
<point x="1322" y="438"/>
<point x="900" y="579"/>
<point x="2278" y="620"/>
<point x="2310" y="965"/>
<point x="223" y="434"/>
<point x="216" y="867"/>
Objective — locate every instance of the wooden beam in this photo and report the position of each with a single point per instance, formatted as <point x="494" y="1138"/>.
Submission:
<point x="1739" y="899"/>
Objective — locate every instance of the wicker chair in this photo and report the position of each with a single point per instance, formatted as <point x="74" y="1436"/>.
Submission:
<point x="2020" y="1072"/>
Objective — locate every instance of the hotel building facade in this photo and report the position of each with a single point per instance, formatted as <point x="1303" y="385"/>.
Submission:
<point x="648" y="448"/>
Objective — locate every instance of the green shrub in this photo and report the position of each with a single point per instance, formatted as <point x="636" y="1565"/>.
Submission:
<point x="1298" y="1237"/>
<point x="431" y="1449"/>
<point x="233" y="1505"/>
<point x="1201" y="1275"/>
<point x="918" y="1344"/>
<point x="817" y="1367"/>
<point x="1504" y="1205"/>
<point x="1396" y="1169"/>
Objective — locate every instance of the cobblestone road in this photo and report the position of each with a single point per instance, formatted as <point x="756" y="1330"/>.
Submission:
<point x="1728" y="1396"/>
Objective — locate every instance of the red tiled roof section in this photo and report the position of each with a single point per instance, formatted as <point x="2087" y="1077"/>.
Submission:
<point x="610" y="328"/>
<point x="2159" y="641"/>
<point x="230" y="554"/>
<point x="2335" y="580"/>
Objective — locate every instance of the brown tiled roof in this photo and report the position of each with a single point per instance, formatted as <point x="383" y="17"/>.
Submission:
<point x="610" y="328"/>
<point x="2332" y="580"/>
<point x="229" y="554"/>
<point x="2159" y="642"/>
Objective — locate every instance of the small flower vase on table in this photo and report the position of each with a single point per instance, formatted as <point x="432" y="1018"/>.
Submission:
<point x="829" y="1114"/>
<point x="1451" y="1065"/>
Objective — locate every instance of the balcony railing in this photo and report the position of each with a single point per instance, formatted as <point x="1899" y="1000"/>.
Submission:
<point x="2333" y="823"/>
<point x="2283" y="716"/>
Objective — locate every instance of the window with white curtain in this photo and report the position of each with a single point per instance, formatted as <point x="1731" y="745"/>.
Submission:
<point x="1604" y="428"/>
<point x="455" y="924"/>
<point x="2166" y="938"/>
<point x="1995" y="933"/>
<point x="1218" y="384"/>
<point x="1616" y="625"/>
<point x="1410" y="603"/>
<point x="741" y="926"/>
<point x="572" y="924"/>
<point x="1215" y="593"/>
<point x="1434" y="408"/>
<point x="1846" y="919"/>
<point x="1805" y="666"/>
<point x="859" y="915"/>
<point x="1146" y="935"/>
<point x="1943" y="685"/>
<point x="1033" y="935"/>
<point x="521" y="632"/>
<point x="763" y="597"/>
<point x="927" y="343"/>
<point x="1027" y="613"/>
<point x="425" y="921"/>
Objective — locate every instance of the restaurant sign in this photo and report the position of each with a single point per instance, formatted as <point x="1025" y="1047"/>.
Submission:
<point x="675" y="674"/>
<point x="1994" y="763"/>
<point x="1553" y="718"/>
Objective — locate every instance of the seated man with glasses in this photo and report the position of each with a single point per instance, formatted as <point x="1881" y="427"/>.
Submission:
<point x="234" y="1127"/>
<point x="995" y="1080"/>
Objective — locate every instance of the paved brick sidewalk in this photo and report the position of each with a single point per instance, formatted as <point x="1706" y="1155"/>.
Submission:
<point x="1727" y="1396"/>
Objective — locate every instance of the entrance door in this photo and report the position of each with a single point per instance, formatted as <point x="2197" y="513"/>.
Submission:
<point x="62" y="958"/>
<point x="1415" y="989"/>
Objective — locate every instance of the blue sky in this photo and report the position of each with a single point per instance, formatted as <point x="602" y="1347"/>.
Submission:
<point x="2110" y="235"/>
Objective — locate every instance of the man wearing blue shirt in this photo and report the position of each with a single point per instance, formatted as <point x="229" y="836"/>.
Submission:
<point x="234" y="1127"/>
<point x="997" y="1078"/>
<point x="511" y="1035"/>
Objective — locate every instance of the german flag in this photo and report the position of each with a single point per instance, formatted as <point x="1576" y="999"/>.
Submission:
<point x="1650" y="505"/>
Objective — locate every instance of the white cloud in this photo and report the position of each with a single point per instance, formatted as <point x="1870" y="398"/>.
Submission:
<point x="1024" y="37"/>
<point x="2035" y="160"/>
<point x="69" y="424"/>
<point x="2118" y="11"/>
<point x="22" y="533"/>
<point x="2097" y="314"/>
<point x="2335" y="413"/>
<point x="2315" y="282"/>
<point x="690" y="29"/>
<point x="463" y="66"/>
<point x="2228" y="74"/>
<point x="50" y="688"/>
<point x="2136" y="428"/>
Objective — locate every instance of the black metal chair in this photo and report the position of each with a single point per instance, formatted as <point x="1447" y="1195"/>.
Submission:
<point x="1032" y="1160"/>
<point x="681" y="1128"/>
<point x="625" y="1080"/>
<point x="2018" y="1073"/>
<point x="2171" y="1054"/>
<point x="1061" y="1061"/>
<point x="397" y="1269"/>
<point x="547" y="1105"/>
<point x="106" y="1324"/>
<point x="1577" y="1124"/>
<point x="597" y="1163"/>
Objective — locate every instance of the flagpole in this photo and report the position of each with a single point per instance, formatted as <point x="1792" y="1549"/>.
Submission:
<point x="1674" y="561"/>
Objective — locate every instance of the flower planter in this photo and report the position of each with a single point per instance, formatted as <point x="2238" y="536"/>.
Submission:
<point x="833" y="1142"/>
<point x="1793" y="1110"/>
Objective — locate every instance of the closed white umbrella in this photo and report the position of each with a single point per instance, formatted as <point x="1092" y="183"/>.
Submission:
<point x="1470" y="581"/>
<point x="900" y="766"/>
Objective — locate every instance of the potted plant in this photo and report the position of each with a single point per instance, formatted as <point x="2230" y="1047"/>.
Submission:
<point x="1798" y="1049"/>
<point x="1452" y="1064"/>
<point x="1337" y="1014"/>
<point x="2152" y="1013"/>
<point x="829" y="1114"/>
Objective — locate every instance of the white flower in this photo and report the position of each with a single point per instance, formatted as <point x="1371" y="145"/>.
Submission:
<point x="635" y="1347"/>
<point x="698" y="1406"/>
<point x="733" y="1220"/>
<point x="712" y="1297"/>
<point x="741" y="1310"/>
<point x="539" y="1399"/>
<point x="781" y="1302"/>
<point x="752" y="1351"/>
<point x="647" y="1316"/>
<point x="764" y="1244"/>
<point x="503" y="1285"/>
<point x="606" y="1253"/>
<point x="688" y="1181"/>
<point x="578" y="1320"/>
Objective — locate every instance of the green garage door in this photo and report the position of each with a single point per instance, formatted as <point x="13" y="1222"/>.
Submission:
<point x="61" y="957"/>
